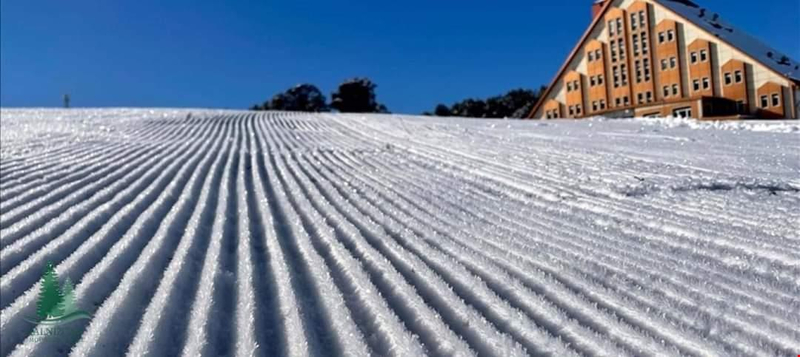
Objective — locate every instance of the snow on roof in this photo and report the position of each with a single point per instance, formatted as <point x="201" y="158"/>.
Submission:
<point x="712" y="23"/>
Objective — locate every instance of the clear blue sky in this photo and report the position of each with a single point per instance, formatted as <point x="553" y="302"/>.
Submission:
<point x="231" y="54"/>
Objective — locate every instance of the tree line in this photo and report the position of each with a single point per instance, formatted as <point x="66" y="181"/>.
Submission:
<point x="357" y="95"/>
<point x="353" y="96"/>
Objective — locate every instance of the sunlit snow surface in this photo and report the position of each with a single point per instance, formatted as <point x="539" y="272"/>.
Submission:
<point x="192" y="232"/>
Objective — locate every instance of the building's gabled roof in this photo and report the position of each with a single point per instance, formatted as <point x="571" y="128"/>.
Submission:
<point x="709" y="22"/>
<point x="713" y="24"/>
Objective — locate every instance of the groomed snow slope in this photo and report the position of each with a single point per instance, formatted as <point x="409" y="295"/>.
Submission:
<point x="193" y="232"/>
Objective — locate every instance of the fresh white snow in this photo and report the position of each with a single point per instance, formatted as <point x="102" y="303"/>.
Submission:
<point x="200" y="232"/>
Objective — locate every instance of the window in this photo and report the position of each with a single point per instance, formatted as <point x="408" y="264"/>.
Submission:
<point x="569" y="86"/>
<point x="666" y="91"/>
<point x="673" y="62"/>
<point x="618" y="101"/>
<point x="649" y="96"/>
<point x="626" y="101"/>
<point x="635" y="45"/>
<point x="592" y="82"/>
<point x="602" y="104"/>
<point x="764" y="102"/>
<point x="611" y="28"/>
<point x="644" y="38"/>
<point x="776" y="100"/>
<point x="597" y="54"/>
<point x="682" y="112"/>
<point x="670" y="35"/>
<point x="663" y="64"/>
<point x="694" y="57"/>
<point x="641" y="19"/>
<point x="646" y="69"/>
<point x="640" y="98"/>
<point x="638" y="71"/>
<point x="738" y="76"/>
<point x="575" y="85"/>
<point x="703" y="55"/>
<point x="594" y="106"/>
<point x="616" y="77"/>
<point x="624" y="70"/>
<point x="661" y="37"/>
<point x="600" y="79"/>
<point x="619" y="24"/>
<point x="578" y="109"/>
<point x="728" y="78"/>
<point x="675" y="90"/>
<point x="571" y="110"/>
<point x="696" y="85"/>
<point x="706" y="83"/>
<point x="621" y="46"/>
<point x="633" y="22"/>
<point x="613" y="51"/>
<point x="591" y="56"/>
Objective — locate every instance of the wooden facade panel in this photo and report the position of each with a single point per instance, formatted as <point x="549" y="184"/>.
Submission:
<point x="553" y="109"/>
<point x="734" y="83"/>
<point x="770" y="101"/>
<point x="573" y="81"/>
<point x="642" y="73"/>
<point x="701" y="78"/>
<point x="668" y="61"/>
<point x="618" y="68"/>
<point x="597" y="83"/>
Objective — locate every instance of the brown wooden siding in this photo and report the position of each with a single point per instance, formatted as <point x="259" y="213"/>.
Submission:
<point x="668" y="61"/>
<point x="773" y="107"/>
<point x="701" y="79"/>
<point x="642" y="74"/>
<point x="733" y="78"/>
<point x="597" y="78"/>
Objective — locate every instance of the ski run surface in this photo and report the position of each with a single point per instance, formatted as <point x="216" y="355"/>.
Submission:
<point x="192" y="232"/>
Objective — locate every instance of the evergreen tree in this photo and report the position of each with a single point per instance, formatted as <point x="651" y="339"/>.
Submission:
<point x="357" y="96"/>
<point x="49" y="293"/>
<point x="67" y="305"/>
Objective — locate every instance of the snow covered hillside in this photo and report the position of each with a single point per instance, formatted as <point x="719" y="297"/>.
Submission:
<point x="190" y="232"/>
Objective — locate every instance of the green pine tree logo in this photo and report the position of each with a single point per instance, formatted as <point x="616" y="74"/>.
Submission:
<point x="56" y="305"/>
